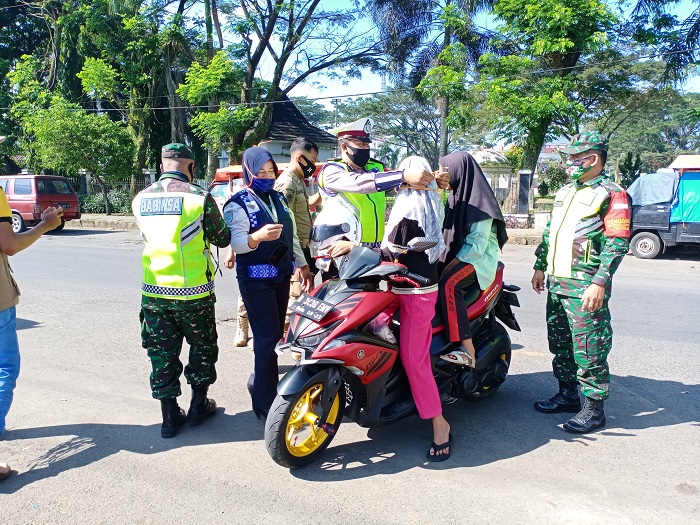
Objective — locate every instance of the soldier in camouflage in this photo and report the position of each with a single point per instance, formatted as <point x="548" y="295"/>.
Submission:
<point x="582" y="247"/>
<point x="178" y="221"/>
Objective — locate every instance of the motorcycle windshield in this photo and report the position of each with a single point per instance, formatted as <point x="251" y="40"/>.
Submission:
<point x="321" y="232"/>
<point x="359" y="261"/>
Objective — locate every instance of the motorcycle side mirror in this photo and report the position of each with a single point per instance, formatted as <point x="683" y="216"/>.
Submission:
<point x="421" y="244"/>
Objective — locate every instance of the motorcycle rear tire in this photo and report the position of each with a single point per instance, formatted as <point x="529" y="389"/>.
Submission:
<point x="486" y="392"/>
<point x="278" y="427"/>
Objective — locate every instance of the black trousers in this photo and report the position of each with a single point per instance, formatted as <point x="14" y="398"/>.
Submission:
<point x="266" y="303"/>
<point x="457" y="280"/>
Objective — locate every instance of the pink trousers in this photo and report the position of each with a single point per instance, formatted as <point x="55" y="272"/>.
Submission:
<point x="417" y="311"/>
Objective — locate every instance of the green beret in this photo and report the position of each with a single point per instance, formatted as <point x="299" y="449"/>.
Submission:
<point x="177" y="151"/>
<point x="585" y="141"/>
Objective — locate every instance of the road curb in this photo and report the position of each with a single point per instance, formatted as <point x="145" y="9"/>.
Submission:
<point x="519" y="237"/>
<point x="103" y="224"/>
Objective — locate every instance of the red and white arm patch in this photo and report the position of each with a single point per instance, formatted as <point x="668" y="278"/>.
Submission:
<point x="617" y="220"/>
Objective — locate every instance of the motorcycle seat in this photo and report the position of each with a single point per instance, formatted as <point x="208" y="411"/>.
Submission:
<point x="438" y="322"/>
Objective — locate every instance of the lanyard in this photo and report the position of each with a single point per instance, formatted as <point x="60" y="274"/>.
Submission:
<point x="272" y="212"/>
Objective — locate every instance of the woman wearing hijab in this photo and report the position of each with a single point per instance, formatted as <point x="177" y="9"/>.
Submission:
<point x="266" y="249"/>
<point x="418" y="214"/>
<point x="473" y="231"/>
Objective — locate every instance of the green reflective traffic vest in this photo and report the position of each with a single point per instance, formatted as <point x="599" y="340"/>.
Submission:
<point x="176" y="262"/>
<point x="369" y="208"/>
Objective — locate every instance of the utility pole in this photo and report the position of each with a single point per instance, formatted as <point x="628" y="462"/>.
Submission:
<point x="335" y="102"/>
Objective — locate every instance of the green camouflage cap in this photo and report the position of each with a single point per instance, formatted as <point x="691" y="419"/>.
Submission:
<point x="176" y="151"/>
<point x="585" y="141"/>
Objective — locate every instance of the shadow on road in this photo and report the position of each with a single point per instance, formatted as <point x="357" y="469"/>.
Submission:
<point x="495" y="429"/>
<point x="89" y="443"/>
<point x="505" y="426"/>
<point x="25" y="324"/>
<point x="80" y="232"/>
<point x="680" y="254"/>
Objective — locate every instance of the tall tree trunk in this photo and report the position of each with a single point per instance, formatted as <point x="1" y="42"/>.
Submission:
<point x="55" y="52"/>
<point x="217" y="24"/>
<point x="444" y="102"/>
<point x="212" y="156"/>
<point x="444" y="106"/>
<point x="177" y="113"/>
<point x="537" y="133"/>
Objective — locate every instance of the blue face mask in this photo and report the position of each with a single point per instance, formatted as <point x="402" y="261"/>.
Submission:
<point x="262" y="185"/>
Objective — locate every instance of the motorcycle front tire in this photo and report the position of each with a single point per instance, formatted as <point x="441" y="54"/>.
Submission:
<point x="291" y="437"/>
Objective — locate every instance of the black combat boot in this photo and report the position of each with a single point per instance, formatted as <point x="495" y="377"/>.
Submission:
<point x="566" y="400"/>
<point x="201" y="406"/>
<point x="589" y="419"/>
<point x="173" y="417"/>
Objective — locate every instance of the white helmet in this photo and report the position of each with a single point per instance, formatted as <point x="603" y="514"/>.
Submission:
<point x="334" y="223"/>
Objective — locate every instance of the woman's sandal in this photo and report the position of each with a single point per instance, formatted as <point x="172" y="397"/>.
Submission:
<point x="460" y="357"/>
<point x="435" y="457"/>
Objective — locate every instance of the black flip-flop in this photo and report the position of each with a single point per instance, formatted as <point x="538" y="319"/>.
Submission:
<point x="437" y="458"/>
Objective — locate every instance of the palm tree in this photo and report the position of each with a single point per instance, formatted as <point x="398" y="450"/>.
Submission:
<point x="415" y="34"/>
<point x="680" y="43"/>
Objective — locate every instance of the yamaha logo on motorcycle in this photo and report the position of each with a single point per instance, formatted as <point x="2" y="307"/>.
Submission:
<point x="345" y="370"/>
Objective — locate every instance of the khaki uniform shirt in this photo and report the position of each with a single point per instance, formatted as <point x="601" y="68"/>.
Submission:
<point x="294" y="190"/>
<point x="9" y="292"/>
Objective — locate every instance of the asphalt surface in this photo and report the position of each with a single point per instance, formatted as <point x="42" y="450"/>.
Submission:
<point x="83" y="432"/>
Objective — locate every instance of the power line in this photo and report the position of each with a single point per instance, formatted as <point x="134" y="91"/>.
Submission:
<point x="369" y="93"/>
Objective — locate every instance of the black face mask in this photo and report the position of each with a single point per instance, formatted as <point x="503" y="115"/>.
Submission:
<point x="308" y="168"/>
<point x="359" y="157"/>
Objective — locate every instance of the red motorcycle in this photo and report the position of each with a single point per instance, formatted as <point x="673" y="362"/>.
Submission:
<point x="344" y="370"/>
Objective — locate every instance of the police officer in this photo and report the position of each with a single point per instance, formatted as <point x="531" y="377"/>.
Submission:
<point x="582" y="247"/>
<point x="358" y="183"/>
<point x="267" y="254"/>
<point x="178" y="221"/>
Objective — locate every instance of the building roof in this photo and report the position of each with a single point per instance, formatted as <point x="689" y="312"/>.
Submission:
<point x="288" y="124"/>
<point x="686" y="162"/>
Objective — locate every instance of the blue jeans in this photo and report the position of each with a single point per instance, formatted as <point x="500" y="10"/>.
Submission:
<point x="9" y="361"/>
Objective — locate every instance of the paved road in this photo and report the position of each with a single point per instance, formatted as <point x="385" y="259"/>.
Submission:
<point x="84" y="432"/>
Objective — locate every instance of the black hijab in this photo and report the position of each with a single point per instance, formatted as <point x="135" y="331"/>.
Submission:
<point x="471" y="200"/>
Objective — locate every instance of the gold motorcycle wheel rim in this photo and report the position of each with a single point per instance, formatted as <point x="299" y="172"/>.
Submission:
<point x="302" y="436"/>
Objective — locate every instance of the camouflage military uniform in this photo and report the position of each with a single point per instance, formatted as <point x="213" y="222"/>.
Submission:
<point x="165" y="322"/>
<point x="579" y="340"/>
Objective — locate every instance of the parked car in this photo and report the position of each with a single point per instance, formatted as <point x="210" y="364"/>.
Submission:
<point x="666" y="208"/>
<point x="29" y="195"/>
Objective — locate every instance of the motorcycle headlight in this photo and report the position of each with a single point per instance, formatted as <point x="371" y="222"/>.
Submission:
<point x="313" y="340"/>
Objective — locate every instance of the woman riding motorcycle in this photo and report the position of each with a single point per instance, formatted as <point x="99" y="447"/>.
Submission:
<point x="417" y="214"/>
<point x="474" y="231"/>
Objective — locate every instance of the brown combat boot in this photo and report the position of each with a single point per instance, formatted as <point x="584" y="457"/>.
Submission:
<point x="242" y="332"/>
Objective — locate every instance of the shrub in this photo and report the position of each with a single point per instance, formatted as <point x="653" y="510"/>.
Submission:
<point x="120" y="200"/>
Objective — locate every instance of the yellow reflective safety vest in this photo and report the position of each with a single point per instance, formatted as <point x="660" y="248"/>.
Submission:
<point x="176" y="261"/>
<point x="369" y="208"/>
<point x="574" y="221"/>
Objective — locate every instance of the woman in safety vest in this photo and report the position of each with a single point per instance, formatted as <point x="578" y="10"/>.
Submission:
<point x="267" y="252"/>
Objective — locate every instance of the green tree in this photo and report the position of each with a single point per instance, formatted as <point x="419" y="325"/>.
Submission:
<point x="299" y="39"/>
<point x="552" y="178"/>
<point x="401" y="122"/>
<point x="315" y="112"/>
<point x="630" y="167"/>
<point x="531" y="85"/>
<point x="435" y="38"/>
<point x="67" y="139"/>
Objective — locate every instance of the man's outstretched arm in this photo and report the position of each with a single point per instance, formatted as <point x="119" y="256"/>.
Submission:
<point x="12" y="243"/>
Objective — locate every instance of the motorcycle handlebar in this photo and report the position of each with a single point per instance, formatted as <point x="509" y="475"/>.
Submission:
<point x="423" y="281"/>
